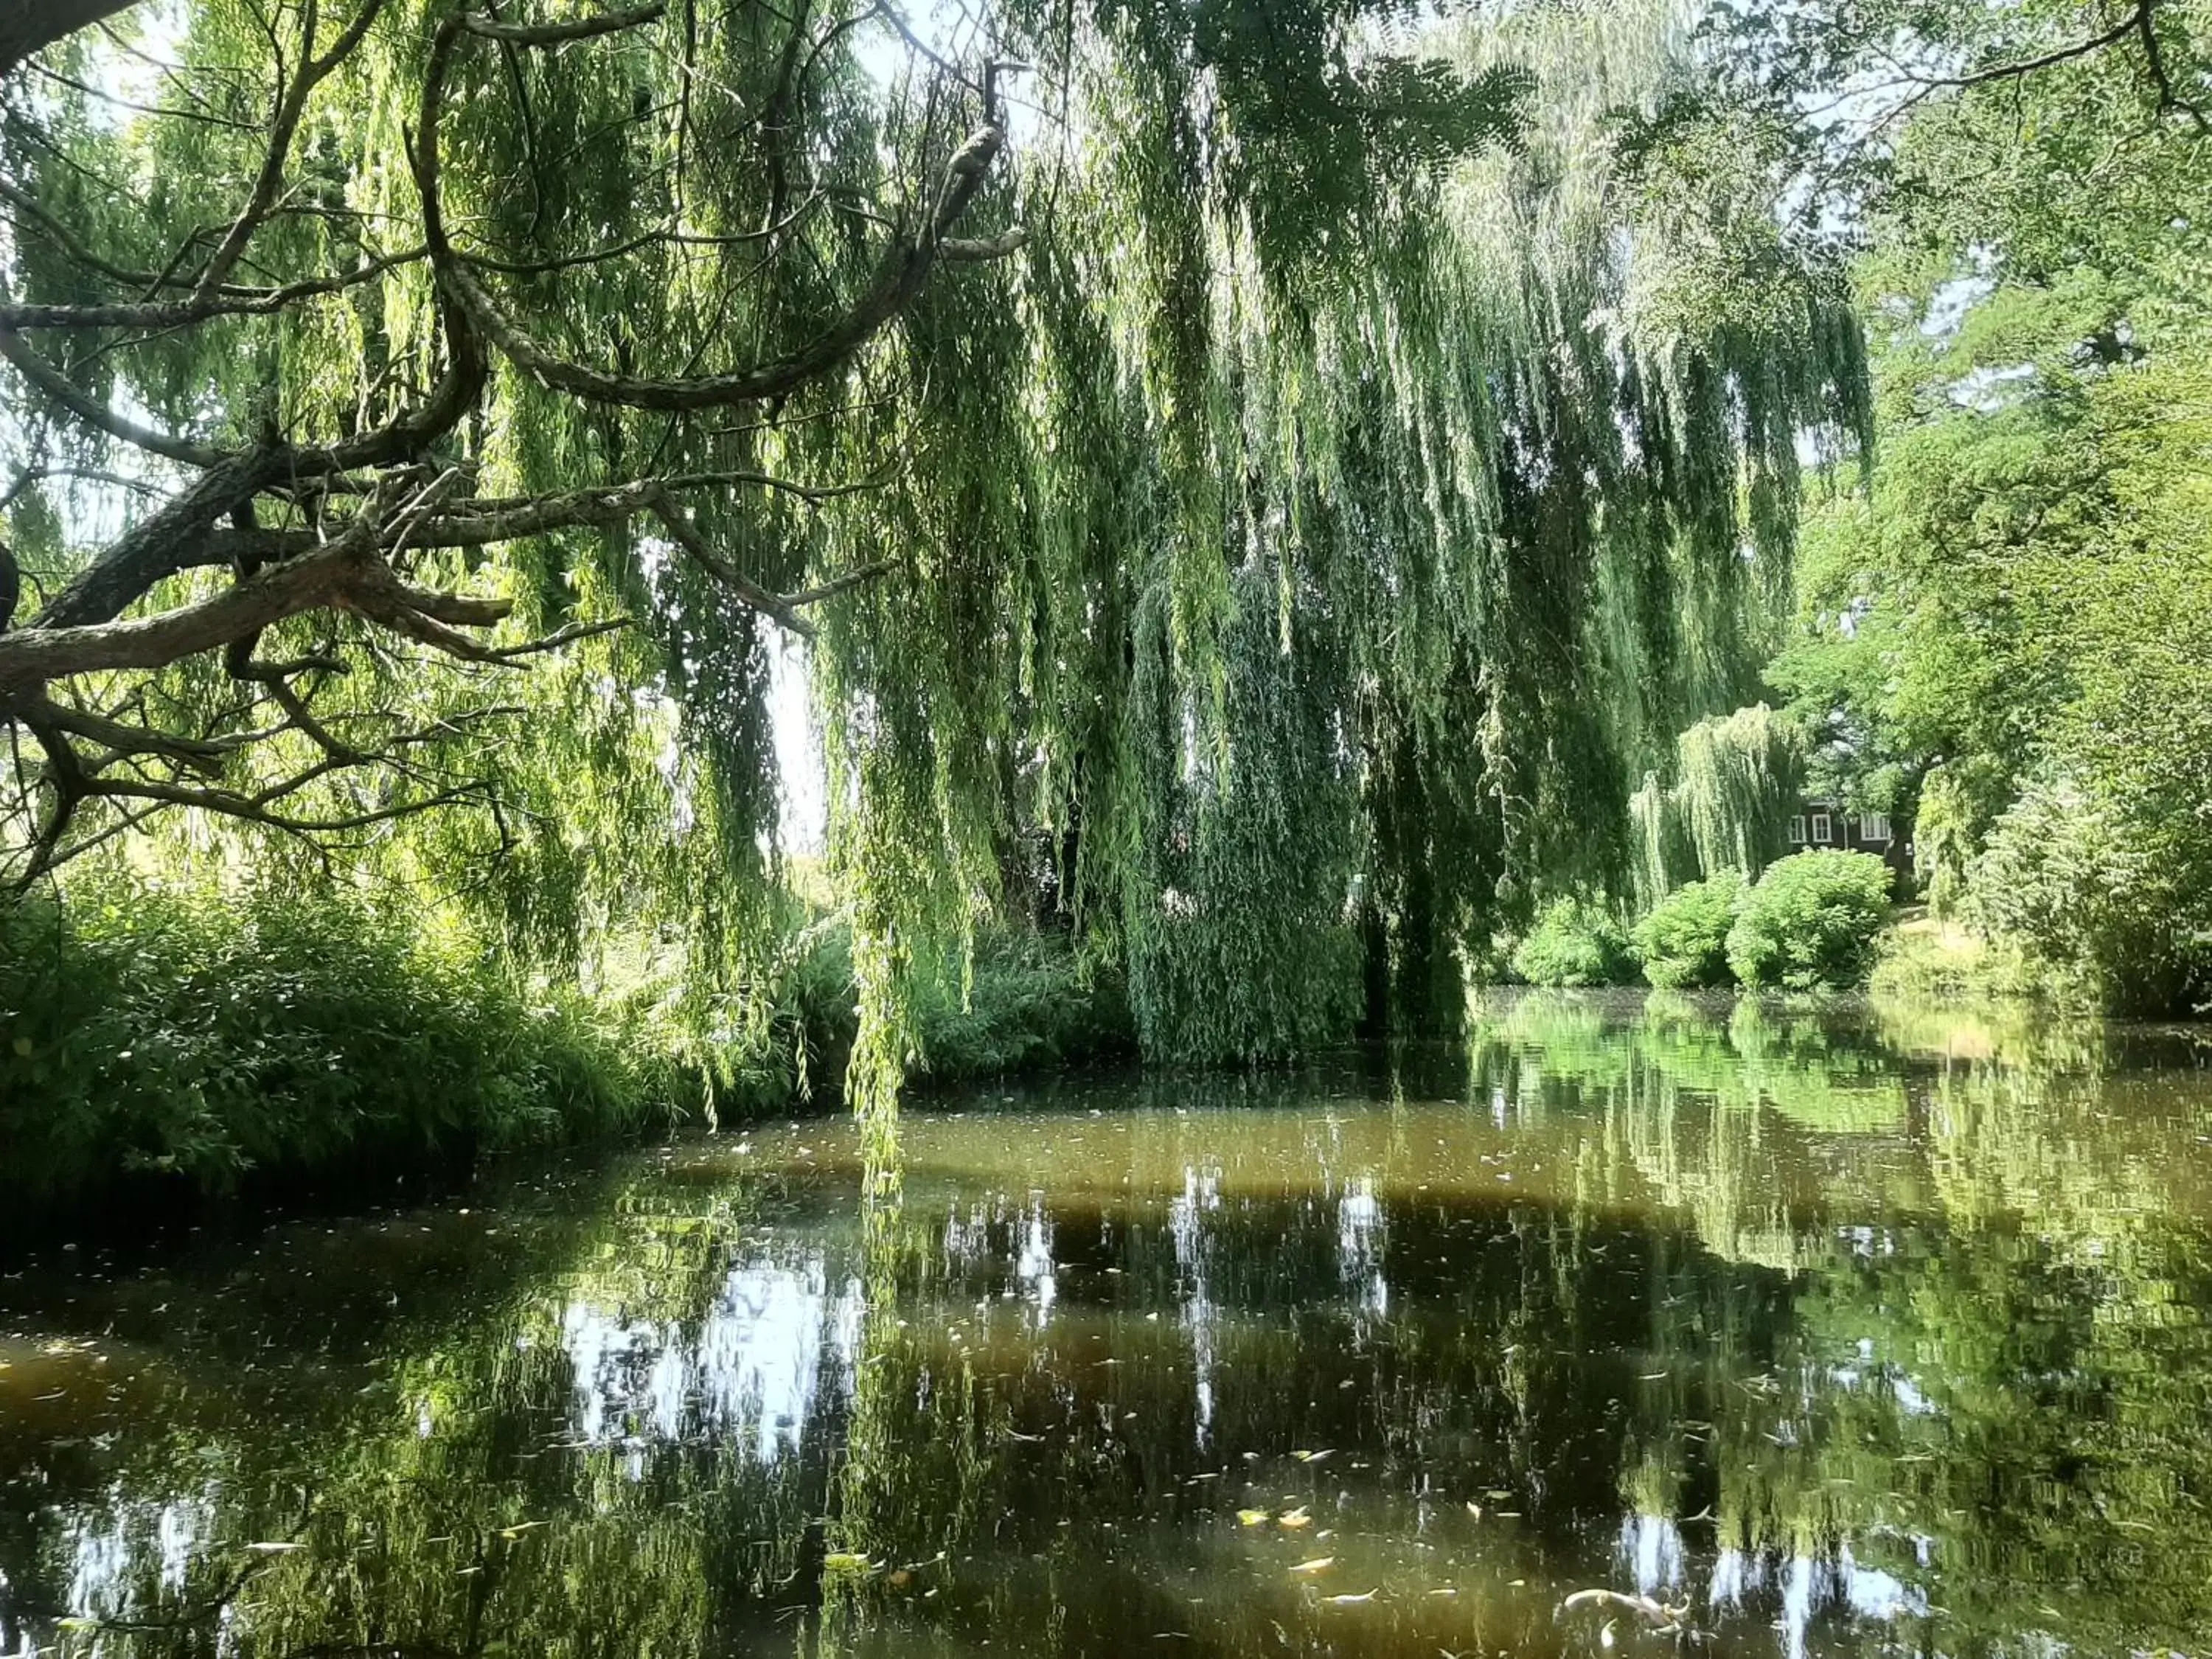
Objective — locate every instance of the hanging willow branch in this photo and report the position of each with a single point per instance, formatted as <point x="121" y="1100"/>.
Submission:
<point x="903" y="270"/>
<point x="314" y="538"/>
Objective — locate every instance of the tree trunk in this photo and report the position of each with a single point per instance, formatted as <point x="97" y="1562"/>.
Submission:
<point x="27" y="25"/>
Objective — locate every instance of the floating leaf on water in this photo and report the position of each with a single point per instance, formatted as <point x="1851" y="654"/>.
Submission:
<point x="1319" y="1563"/>
<point x="1253" y="1518"/>
<point x="846" y="1561"/>
<point x="1606" y="1598"/>
<point x="1295" y="1519"/>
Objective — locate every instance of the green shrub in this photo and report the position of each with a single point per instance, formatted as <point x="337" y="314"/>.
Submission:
<point x="1683" y="943"/>
<point x="207" y="1039"/>
<point x="1811" y="920"/>
<point x="210" y="1042"/>
<point x="1575" y="942"/>
<point x="2107" y="892"/>
<point x="1029" y="1003"/>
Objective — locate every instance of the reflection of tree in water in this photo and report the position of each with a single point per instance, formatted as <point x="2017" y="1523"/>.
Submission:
<point x="1985" y="1413"/>
<point x="1880" y="1341"/>
<point x="484" y="1493"/>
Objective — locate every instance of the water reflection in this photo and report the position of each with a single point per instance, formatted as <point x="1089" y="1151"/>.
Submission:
<point x="1632" y="1325"/>
<point x="753" y="1370"/>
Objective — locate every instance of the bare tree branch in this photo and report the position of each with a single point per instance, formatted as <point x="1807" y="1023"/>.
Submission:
<point x="225" y="302"/>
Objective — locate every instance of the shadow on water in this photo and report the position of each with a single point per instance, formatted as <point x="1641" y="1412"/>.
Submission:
<point x="1633" y="1325"/>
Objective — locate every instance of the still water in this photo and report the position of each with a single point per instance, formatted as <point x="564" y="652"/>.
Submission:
<point x="1788" y="1332"/>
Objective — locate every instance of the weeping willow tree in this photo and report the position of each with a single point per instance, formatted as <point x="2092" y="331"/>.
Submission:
<point x="1289" y="460"/>
<point x="1442" y="519"/>
<point x="1736" y="780"/>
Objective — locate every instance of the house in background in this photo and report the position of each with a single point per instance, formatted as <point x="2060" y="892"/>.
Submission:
<point x="1824" y="825"/>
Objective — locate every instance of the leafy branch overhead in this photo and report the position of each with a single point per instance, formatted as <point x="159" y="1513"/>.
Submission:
<point x="337" y="526"/>
<point x="1225" y="463"/>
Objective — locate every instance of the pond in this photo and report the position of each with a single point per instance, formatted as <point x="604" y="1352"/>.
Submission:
<point x="1631" y="1326"/>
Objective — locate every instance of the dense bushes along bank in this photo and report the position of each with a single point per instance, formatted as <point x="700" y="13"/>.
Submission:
<point x="195" y="1045"/>
<point x="1811" y="922"/>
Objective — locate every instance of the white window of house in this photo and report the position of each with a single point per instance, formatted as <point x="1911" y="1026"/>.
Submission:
<point x="1797" y="831"/>
<point x="1824" y="830"/>
<point x="1874" y="826"/>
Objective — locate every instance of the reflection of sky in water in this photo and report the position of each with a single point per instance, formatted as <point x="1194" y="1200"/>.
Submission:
<point x="1040" y="1282"/>
<point x="108" y="1549"/>
<point x="1651" y="1552"/>
<point x="1202" y="1196"/>
<point x="1902" y="1389"/>
<point x="1810" y="1588"/>
<point x="1360" y="1229"/>
<point x="755" y="1363"/>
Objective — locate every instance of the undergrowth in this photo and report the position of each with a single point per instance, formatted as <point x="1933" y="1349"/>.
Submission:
<point x="222" y="1040"/>
<point x="208" y="1045"/>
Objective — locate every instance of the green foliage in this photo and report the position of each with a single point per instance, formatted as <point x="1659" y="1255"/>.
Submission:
<point x="2002" y="631"/>
<point x="2006" y="637"/>
<point x="1683" y="943"/>
<point x="1736" y="780"/>
<point x="2107" y="888"/>
<point x="1930" y="961"/>
<point x="1023" y="1002"/>
<point x="1028" y="1004"/>
<point x="1575" y="942"/>
<point x="1318" y="130"/>
<point x="273" y="1038"/>
<point x="1811" y="920"/>
<point x="1238" y="945"/>
<point x="1352" y="487"/>
<point x="289" y="1039"/>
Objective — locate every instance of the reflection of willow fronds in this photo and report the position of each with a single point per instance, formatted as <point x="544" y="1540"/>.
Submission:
<point x="919" y="1471"/>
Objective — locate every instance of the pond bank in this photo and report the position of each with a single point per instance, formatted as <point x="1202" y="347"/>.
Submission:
<point x="186" y="1053"/>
